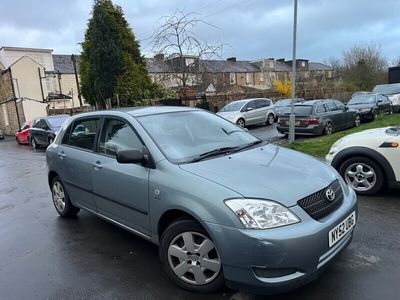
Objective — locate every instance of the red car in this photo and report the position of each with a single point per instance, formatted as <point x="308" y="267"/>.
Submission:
<point x="22" y="136"/>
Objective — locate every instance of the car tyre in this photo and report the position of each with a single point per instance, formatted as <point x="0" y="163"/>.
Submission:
<point x="241" y="123"/>
<point x="270" y="119"/>
<point x="374" y="115"/>
<point x="184" y="261"/>
<point x="61" y="200"/>
<point x="328" y="129"/>
<point x="34" y="144"/>
<point x="363" y="174"/>
<point x="18" y="141"/>
<point x="357" y="121"/>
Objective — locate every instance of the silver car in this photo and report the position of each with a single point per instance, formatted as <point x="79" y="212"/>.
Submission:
<point x="223" y="206"/>
<point x="249" y="112"/>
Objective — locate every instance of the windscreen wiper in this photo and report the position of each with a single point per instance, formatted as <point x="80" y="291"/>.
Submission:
<point x="213" y="153"/>
<point x="245" y="146"/>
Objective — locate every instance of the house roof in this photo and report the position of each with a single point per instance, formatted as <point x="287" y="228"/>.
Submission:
<point x="316" y="66"/>
<point x="63" y="63"/>
<point x="212" y="66"/>
<point x="25" y="49"/>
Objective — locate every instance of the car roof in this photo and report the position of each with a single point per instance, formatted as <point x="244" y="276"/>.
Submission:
<point x="140" y="111"/>
<point x="312" y="102"/>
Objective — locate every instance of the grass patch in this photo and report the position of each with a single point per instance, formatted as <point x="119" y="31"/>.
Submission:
<point x="319" y="146"/>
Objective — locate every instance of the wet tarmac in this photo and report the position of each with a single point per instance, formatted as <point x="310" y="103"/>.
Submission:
<point x="43" y="256"/>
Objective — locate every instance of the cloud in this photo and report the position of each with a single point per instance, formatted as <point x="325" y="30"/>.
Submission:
<point x="253" y="28"/>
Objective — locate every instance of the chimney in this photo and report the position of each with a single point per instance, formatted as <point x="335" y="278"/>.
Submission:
<point x="159" y="57"/>
<point x="232" y="59"/>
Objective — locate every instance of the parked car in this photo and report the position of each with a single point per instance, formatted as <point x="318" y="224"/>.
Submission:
<point x="1" y="134"/>
<point x="370" y="105"/>
<point x="249" y="112"/>
<point x="392" y="91"/>
<point x="282" y="106"/>
<point x="22" y="136"/>
<point x="317" y="117"/>
<point x="44" y="130"/>
<point x="368" y="160"/>
<point x="214" y="197"/>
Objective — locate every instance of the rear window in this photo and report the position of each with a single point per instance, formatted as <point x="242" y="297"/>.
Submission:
<point x="303" y="110"/>
<point x="56" y="122"/>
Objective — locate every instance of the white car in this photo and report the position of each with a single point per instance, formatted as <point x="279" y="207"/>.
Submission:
<point x="368" y="160"/>
<point x="249" y="112"/>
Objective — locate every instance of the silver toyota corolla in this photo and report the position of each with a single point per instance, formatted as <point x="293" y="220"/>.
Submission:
<point x="223" y="206"/>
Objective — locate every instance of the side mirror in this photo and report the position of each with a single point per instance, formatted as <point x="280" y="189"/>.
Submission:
<point x="131" y="156"/>
<point x="346" y="108"/>
<point x="249" y="109"/>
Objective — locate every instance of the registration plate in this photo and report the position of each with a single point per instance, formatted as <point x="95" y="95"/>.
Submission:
<point x="337" y="233"/>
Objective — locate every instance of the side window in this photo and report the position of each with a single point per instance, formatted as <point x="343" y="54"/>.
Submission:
<point x="340" y="105"/>
<point x="37" y="123"/>
<point x="118" y="135"/>
<point x="83" y="133"/>
<point x="251" y="104"/>
<point x="260" y="103"/>
<point x="319" y="109"/>
<point x="25" y="126"/>
<point x="331" y="106"/>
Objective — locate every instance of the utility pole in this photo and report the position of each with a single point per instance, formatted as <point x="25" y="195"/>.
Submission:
<point x="73" y="58"/>
<point x="292" y="115"/>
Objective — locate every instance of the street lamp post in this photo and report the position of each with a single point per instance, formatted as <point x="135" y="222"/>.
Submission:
<point x="292" y="115"/>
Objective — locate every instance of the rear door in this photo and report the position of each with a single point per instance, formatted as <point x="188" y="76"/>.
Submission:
<point x="121" y="190"/>
<point x="348" y="115"/>
<point x="76" y="154"/>
<point x="336" y="115"/>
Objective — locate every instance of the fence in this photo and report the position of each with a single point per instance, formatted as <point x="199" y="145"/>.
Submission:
<point x="69" y="111"/>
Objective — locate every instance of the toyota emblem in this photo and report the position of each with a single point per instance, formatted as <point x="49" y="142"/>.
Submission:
<point x="330" y="195"/>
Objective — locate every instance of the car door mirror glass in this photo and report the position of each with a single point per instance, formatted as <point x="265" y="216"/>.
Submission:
<point x="131" y="156"/>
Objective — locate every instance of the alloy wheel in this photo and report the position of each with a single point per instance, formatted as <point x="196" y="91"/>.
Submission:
<point x="271" y="119"/>
<point x="360" y="176"/>
<point x="240" y="122"/>
<point x="357" y="121"/>
<point x="58" y="196"/>
<point x="328" y="128"/>
<point x="193" y="258"/>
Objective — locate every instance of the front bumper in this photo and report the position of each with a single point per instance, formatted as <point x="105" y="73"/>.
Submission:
<point x="277" y="260"/>
<point x="367" y="115"/>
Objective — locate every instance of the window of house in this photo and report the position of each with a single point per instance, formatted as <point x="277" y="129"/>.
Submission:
<point x="248" y="78"/>
<point x="270" y="64"/>
<point x="83" y="133"/>
<point x="118" y="135"/>
<point x="303" y="63"/>
<point x="232" y="78"/>
<point x="5" y="114"/>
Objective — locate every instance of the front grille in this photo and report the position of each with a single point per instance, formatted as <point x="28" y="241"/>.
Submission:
<point x="318" y="206"/>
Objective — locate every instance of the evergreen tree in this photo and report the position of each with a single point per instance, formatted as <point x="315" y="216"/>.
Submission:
<point x="111" y="62"/>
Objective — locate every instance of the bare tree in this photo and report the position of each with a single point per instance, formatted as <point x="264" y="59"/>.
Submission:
<point x="364" y="66"/>
<point x="183" y="49"/>
<point x="396" y="61"/>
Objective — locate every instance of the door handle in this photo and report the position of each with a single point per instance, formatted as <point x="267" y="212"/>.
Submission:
<point x="61" y="155"/>
<point x="97" y="165"/>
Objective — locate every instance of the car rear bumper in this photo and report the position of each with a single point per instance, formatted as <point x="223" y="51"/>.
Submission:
<point x="310" y="130"/>
<point x="281" y="259"/>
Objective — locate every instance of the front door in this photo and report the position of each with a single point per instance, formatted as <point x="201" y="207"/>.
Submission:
<point x="121" y="190"/>
<point x="250" y="113"/>
<point x="77" y="154"/>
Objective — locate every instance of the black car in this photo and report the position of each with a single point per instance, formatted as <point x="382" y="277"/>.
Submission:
<point x="44" y="130"/>
<point x="370" y="105"/>
<point x="317" y="117"/>
<point x="281" y="106"/>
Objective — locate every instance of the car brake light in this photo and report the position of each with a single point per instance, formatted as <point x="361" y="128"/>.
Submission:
<point x="311" y="121"/>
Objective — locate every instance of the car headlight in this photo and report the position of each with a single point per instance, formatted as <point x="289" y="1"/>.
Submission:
<point x="261" y="214"/>
<point x="365" y="110"/>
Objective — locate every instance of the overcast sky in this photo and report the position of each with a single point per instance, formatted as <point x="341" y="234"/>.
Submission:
<point x="253" y="28"/>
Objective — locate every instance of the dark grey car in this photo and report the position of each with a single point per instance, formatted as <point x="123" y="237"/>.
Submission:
<point x="370" y="105"/>
<point x="213" y="197"/>
<point x="317" y="117"/>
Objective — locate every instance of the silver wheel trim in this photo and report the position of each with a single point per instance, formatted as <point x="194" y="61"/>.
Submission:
<point x="328" y="128"/>
<point x="194" y="263"/>
<point x="58" y="196"/>
<point x="271" y="119"/>
<point x="360" y="176"/>
<point x="240" y="122"/>
<point x="358" y="121"/>
<point x="33" y="143"/>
